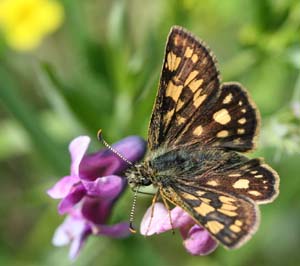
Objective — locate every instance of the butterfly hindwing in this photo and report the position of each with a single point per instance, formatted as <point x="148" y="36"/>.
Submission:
<point x="231" y="123"/>
<point x="229" y="219"/>
<point x="252" y="178"/>
<point x="189" y="82"/>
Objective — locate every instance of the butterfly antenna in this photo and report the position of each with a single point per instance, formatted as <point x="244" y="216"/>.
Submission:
<point x="132" y="212"/>
<point x="101" y="139"/>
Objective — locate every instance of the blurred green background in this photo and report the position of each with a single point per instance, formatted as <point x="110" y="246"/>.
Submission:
<point x="100" y="69"/>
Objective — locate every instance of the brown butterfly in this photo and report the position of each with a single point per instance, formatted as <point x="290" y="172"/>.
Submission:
<point x="198" y="130"/>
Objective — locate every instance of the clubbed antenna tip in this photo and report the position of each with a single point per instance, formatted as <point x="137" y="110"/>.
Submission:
<point x="99" y="135"/>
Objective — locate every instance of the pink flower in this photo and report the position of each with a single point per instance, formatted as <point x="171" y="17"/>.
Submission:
<point x="196" y="239"/>
<point x="90" y="191"/>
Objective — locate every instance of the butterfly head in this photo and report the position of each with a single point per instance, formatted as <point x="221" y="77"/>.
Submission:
<point x="139" y="175"/>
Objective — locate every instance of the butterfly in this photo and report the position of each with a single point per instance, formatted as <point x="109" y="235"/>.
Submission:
<point x="199" y="130"/>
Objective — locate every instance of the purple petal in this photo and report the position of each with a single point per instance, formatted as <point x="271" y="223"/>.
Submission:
<point x="68" y="230"/>
<point x="179" y="218"/>
<point x="132" y="148"/>
<point x="73" y="230"/>
<point x="62" y="187"/>
<point x="199" y="242"/>
<point x="96" y="210"/>
<point x="150" y="225"/>
<point x="161" y="220"/>
<point x="78" y="242"/>
<point x="107" y="187"/>
<point x="69" y="201"/>
<point x="105" y="162"/>
<point x="117" y="230"/>
<point x="77" y="150"/>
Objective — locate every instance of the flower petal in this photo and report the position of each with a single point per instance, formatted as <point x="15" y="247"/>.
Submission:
<point x="132" y="147"/>
<point x="161" y="220"/>
<point x="107" y="187"/>
<point x="73" y="230"/>
<point x="62" y="187"/>
<point x="116" y="230"/>
<point x="105" y="162"/>
<point x="96" y="210"/>
<point x="199" y="242"/>
<point x="78" y="242"/>
<point x="67" y="231"/>
<point x="77" y="150"/>
<point x="149" y="225"/>
<point x="69" y="201"/>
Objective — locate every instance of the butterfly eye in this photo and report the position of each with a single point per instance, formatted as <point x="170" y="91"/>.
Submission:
<point x="146" y="182"/>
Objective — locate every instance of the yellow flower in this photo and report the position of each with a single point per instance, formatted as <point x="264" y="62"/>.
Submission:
<point x="25" y="22"/>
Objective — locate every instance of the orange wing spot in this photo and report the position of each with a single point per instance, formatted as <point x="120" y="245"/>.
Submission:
<point x="188" y="52"/>
<point x="195" y="58"/>
<point x="241" y="184"/>
<point x="173" y="91"/>
<point x="203" y="209"/>
<point x="238" y="222"/>
<point x="241" y="131"/>
<point x="234" y="175"/>
<point x="191" y="76"/>
<point x="222" y="116"/>
<point x="195" y="84"/>
<point x="212" y="183"/>
<point x="242" y="121"/>
<point x="254" y="192"/>
<point x="214" y="226"/>
<point x="198" y="99"/>
<point x="223" y="134"/>
<point x="206" y="200"/>
<point x="173" y="61"/>
<point x="228" y="213"/>
<point x="200" y="193"/>
<point x="198" y="131"/>
<point x="234" y="228"/>
<point x="179" y="105"/>
<point x="189" y="196"/>
<point x="228" y="207"/>
<point x="226" y="199"/>
<point x="227" y="99"/>
<point x="258" y="176"/>
<point x="180" y="120"/>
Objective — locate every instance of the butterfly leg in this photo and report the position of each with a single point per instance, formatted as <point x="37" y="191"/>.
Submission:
<point x="152" y="210"/>
<point x="169" y="213"/>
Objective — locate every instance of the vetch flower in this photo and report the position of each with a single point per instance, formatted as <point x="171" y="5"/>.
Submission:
<point x="90" y="191"/>
<point x="24" y="23"/>
<point x="76" y="229"/>
<point x="196" y="239"/>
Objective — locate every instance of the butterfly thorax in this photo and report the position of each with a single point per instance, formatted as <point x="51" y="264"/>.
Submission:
<point x="162" y="168"/>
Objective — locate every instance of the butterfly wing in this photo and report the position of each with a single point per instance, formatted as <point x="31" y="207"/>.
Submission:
<point x="192" y="107"/>
<point x="189" y="72"/>
<point x="231" y="220"/>
<point x="253" y="179"/>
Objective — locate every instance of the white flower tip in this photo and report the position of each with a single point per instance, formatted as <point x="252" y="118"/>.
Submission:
<point x="60" y="238"/>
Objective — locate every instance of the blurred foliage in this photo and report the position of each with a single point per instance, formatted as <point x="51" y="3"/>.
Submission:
<point x="101" y="70"/>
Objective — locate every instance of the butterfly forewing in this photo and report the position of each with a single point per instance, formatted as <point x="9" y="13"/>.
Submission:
<point x="191" y="106"/>
<point x="189" y="83"/>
